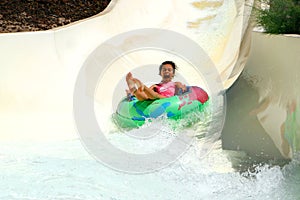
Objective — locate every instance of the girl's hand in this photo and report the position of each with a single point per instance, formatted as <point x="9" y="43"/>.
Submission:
<point x="181" y="86"/>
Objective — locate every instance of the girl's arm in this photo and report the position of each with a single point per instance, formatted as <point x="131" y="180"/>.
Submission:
<point x="152" y="93"/>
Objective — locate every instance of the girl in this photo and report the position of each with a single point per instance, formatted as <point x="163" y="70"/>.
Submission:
<point x="166" y="88"/>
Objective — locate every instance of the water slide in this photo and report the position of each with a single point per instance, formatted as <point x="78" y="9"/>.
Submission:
<point x="265" y="99"/>
<point x="39" y="69"/>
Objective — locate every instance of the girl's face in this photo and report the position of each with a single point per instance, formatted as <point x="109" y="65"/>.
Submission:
<point x="167" y="72"/>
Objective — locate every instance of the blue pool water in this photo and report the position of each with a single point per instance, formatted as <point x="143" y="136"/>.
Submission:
<point x="64" y="170"/>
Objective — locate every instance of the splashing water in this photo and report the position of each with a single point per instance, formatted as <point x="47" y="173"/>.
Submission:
<point x="64" y="170"/>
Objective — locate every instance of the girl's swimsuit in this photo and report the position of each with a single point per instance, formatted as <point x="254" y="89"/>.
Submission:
<point x="166" y="89"/>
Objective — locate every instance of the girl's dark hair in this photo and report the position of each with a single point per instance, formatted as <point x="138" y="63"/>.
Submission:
<point x="166" y="63"/>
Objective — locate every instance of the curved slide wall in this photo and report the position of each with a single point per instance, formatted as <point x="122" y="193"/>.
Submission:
<point x="38" y="69"/>
<point x="263" y="116"/>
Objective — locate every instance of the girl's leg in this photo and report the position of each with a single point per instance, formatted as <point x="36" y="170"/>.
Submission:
<point x="138" y="93"/>
<point x="150" y="93"/>
<point x="142" y="92"/>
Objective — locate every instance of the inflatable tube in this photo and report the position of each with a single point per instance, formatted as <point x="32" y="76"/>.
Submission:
<point x="134" y="113"/>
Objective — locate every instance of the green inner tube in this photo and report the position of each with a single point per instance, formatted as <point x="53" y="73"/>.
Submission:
<point x="134" y="113"/>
